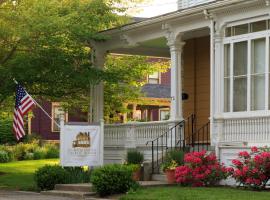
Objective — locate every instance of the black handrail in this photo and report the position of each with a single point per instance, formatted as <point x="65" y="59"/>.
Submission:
<point x="181" y="130"/>
<point x="201" y="138"/>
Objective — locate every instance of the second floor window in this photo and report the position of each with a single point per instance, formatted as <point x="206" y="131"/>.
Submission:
<point x="154" y="78"/>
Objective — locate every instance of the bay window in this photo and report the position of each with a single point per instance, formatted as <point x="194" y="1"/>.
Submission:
<point x="246" y="67"/>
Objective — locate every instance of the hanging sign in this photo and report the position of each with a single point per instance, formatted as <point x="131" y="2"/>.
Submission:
<point x="81" y="145"/>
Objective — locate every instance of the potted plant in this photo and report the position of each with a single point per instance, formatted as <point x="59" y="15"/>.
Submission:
<point x="172" y="160"/>
<point x="135" y="159"/>
<point x="169" y="170"/>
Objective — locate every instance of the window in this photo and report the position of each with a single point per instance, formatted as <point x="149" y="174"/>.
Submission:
<point x="153" y="78"/>
<point x="247" y="28"/>
<point x="57" y="111"/>
<point x="164" y="114"/>
<point x="246" y="69"/>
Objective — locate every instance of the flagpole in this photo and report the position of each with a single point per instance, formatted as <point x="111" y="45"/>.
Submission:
<point x="47" y="114"/>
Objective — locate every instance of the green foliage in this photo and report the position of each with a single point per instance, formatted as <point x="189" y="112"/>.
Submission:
<point x="112" y="179"/>
<point x="173" y="159"/>
<point x="52" y="150"/>
<point x="127" y="75"/>
<point x="45" y="44"/>
<point x="134" y="157"/>
<point x="46" y="177"/>
<point x="78" y="174"/>
<point x="31" y="151"/>
<point x="39" y="153"/>
<point x="4" y="157"/>
<point x="6" y="134"/>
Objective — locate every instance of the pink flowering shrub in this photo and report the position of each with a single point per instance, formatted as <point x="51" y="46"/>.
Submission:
<point x="252" y="169"/>
<point x="200" y="169"/>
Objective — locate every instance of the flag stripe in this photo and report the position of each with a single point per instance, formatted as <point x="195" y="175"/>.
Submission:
<point x="23" y="104"/>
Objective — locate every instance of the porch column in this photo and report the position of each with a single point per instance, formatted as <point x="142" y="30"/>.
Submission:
<point x="98" y="91"/>
<point x="176" y="49"/>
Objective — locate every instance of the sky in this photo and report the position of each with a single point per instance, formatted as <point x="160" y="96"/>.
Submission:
<point x="156" y="7"/>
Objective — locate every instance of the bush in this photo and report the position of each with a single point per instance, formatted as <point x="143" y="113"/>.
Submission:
<point x="173" y="159"/>
<point x="112" y="179"/>
<point x="78" y="175"/>
<point x="134" y="157"/>
<point x="39" y="153"/>
<point x="19" y="151"/>
<point x="200" y="169"/>
<point x="52" y="151"/>
<point x="252" y="170"/>
<point x="4" y="157"/>
<point x="46" y="177"/>
<point x="8" y="150"/>
<point x="6" y="135"/>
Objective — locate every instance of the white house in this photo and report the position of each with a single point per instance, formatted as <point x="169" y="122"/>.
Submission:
<point x="219" y="54"/>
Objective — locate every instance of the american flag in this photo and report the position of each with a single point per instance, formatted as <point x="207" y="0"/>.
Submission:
<point x="23" y="104"/>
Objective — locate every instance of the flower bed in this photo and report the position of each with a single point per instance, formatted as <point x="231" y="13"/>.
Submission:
<point x="252" y="169"/>
<point x="201" y="169"/>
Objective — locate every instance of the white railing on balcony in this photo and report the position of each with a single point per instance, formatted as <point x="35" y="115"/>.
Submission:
<point x="190" y="3"/>
<point x="247" y="129"/>
<point x="134" y="134"/>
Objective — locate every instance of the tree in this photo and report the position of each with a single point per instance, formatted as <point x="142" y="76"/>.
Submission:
<point x="45" y="44"/>
<point x="131" y="73"/>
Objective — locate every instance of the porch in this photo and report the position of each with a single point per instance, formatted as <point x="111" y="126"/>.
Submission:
<point x="228" y="91"/>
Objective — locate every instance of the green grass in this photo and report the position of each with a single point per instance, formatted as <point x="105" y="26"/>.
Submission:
<point x="19" y="175"/>
<point x="187" y="193"/>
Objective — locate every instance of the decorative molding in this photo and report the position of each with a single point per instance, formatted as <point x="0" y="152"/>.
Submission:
<point x="267" y="2"/>
<point x="174" y="41"/>
<point x="128" y="40"/>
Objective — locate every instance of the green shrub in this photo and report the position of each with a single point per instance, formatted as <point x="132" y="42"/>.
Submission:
<point x="78" y="175"/>
<point x="134" y="157"/>
<point x="52" y="150"/>
<point x="19" y="151"/>
<point x="33" y="138"/>
<point x="6" y="134"/>
<point x="4" y="157"/>
<point x="8" y="150"/>
<point x="112" y="179"/>
<point x="46" y="177"/>
<point x="28" y="156"/>
<point x="39" y="153"/>
<point x="173" y="159"/>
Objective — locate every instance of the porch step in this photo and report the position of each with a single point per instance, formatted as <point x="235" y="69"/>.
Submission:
<point x="159" y="177"/>
<point x="84" y="187"/>
<point x="71" y="194"/>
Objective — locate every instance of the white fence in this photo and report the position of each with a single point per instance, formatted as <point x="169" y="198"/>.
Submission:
<point x="134" y="134"/>
<point x="247" y="129"/>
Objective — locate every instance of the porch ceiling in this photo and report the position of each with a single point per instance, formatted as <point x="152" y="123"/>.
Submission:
<point x="158" y="46"/>
<point x="155" y="47"/>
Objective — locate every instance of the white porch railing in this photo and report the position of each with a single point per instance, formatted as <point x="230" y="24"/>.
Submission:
<point x="134" y="134"/>
<point x="247" y="129"/>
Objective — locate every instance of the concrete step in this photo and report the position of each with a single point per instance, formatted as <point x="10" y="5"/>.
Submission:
<point x="159" y="177"/>
<point x="71" y="194"/>
<point x="84" y="187"/>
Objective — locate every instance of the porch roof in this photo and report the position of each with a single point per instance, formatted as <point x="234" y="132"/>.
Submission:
<point x="148" y="37"/>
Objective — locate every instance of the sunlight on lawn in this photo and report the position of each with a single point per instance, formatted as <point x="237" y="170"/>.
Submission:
<point x="20" y="174"/>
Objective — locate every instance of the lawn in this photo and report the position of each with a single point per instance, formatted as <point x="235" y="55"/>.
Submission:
<point x="187" y="193"/>
<point x="20" y="174"/>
